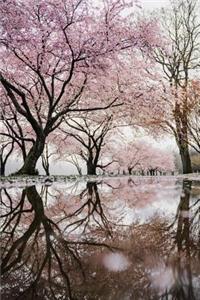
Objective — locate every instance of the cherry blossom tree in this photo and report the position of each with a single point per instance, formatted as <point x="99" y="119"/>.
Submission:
<point x="58" y="50"/>
<point x="144" y="158"/>
<point x="89" y="139"/>
<point x="179" y="60"/>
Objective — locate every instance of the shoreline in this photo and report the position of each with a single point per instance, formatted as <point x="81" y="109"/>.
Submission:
<point x="23" y="181"/>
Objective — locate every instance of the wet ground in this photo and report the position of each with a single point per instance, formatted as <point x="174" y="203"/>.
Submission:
<point x="109" y="239"/>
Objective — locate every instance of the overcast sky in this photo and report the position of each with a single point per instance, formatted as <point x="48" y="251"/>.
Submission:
<point x="152" y="4"/>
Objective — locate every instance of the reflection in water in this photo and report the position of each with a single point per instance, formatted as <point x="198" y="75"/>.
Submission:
<point x="175" y="277"/>
<point x="115" y="262"/>
<point x="162" y="278"/>
<point x="34" y="246"/>
<point x="88" y="243"/>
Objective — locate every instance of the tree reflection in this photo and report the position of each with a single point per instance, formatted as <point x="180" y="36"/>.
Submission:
<point x="90" y="212"/>
<point x="36" y="255"/>
<point x="185" y="243"/>
<point x="56" y="243"/>
<point x="183" y="267"/>
<point x="183" y="224"/>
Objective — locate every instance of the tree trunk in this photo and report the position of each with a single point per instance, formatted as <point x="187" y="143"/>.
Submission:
<point x="45" y="165"/>
<point x="2" y="168"/>
<point x="29" y="167"/>
<point x="186" y="161"/>
<point x="182" y="141"/>
<point x="47" y="171"/>
<point x="182" y="136"/>
<point x="91" y="168"/>
<point x="130" y="171"/>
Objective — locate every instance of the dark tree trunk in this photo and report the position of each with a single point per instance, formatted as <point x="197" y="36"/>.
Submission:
<point x="185" y="158"/>
<point x="130" y="171"/>
<point x="29" y="167"/>
<point x="47" y="171"/>
<point x="182" y="137"/>
<point x="2" y="168"/>
<point x="45" y="165"/>
<point x="91" y="168"/>
<point x="23" y="153"/>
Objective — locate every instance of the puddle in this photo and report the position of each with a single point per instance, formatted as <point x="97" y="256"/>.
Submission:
<point x="110" y="239"/>
<point x="115" y="262"/>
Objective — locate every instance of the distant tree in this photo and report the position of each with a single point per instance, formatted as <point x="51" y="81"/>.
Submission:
<point x="143" y="158"/>
<point x="89" y="140"/>
<point x="74" y="159"/>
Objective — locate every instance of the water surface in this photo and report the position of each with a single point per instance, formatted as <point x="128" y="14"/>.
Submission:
<point x="136" y="238"/>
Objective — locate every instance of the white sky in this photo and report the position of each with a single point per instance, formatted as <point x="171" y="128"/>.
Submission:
<point x="152" y="4"/>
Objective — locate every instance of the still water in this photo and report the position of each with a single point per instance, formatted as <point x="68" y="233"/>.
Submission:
<point x="114" y="239"/>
